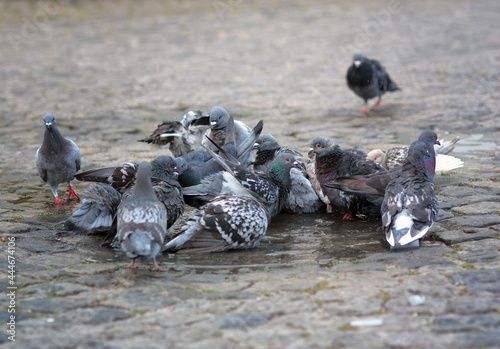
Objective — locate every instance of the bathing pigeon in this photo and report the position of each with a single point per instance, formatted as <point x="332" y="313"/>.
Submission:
<point x="183" y="136"/>
<point x="227" y="222"/>
<point x="368" y="79"/>
<point x="101" y="200"/>
<point x="200" y="163"/>
<point x="318" y="142"/>
<point x="302" y="197"/>
<point x="142" y="220"/>
<point x="332" y="162"/>
<point x="372" y="186"/>
<point x="58" y="159"/>
<point x="97" y="212"/>
<point x="410" y="205"/>
<point x="219" y="119"/>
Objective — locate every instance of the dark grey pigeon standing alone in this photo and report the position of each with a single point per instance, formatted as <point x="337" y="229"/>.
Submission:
<point x="58" y="159"/>
<point x="142" y="220"/>
<point x="410" y="205"/>
<point x="368" y="79"/>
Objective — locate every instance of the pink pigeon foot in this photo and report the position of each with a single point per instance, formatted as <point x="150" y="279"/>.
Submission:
<point x="376" y="105"/>
<point x="132" y="266"/>
<point x="156" y="267"/>
<point x="365" y="110"/>
<point x="72" y="193"/>
<point x="347" y="216"/>
<point x="59" y="201"/>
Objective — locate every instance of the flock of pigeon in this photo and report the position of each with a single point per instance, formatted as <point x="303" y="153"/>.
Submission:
<point x="236" y="194"/>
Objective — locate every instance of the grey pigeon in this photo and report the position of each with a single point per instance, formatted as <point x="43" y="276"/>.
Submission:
<point x="142" y="220"/>
<point x="227" y="222"/>
<point x="410" y="205"/>
<point x="368" y="79"/>
<point x="302" y="197"/>
<point x="332" y="162"/>
<point x="182" y="137"/>
<point x="219" y="119"/>
<point x="58" y="159"/>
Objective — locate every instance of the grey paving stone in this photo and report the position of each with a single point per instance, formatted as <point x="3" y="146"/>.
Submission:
<point x="475" y="221"/>
<point x="241" y="320"/>
<point x="479" y="280"/>
<point x="108" y="315"/>
<point x="57" y="289"/>
<point x="459" y="323"/>
<point x="451" y="237"/>
<point x="483" y="339"/>
<point x="478" y="208"/>
<point x="52" y="305"/>
<point x="470" y="304"/>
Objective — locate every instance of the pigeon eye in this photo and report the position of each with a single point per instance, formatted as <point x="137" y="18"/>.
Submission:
<point x="263" y="141"/>
<point x="287" y="160"/>
<point x="169" y="165"/>
<point x="318" y="145"/>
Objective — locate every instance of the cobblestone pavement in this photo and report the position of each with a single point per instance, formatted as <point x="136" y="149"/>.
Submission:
<point x="111" y="71"/>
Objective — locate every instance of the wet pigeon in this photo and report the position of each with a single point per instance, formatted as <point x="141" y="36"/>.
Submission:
<point x="368" y="79"/>
<point x="58" y="159"/>
<point x="332" y="162"/>
<point x="410" y="205"/>
<point x="200" y="163"/>
<point x="227" y="222"/>
<point x="372" y="186"/>
<point x="318" y="142"/>
<point x="97" y="212"/>
<point x="142" y="220"/>
<point x="302" y="197"/>
<point x="182" y="137"/>
<point x="101" y="199"/>
<point x="219" y="119"/>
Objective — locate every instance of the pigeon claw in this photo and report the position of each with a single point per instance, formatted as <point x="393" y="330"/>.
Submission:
<point x="72" y="194"/>
<point x="365" y="110"/>
<point x="132" y="266"/>
<point x="59" y="201"/>
<point x="156" y="267"/>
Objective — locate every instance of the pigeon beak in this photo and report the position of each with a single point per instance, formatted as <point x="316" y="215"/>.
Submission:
<point x="357" y="64"/>
<point x="296" y="164"/>
<point x="255" y="146"/>
<point x="213" y="123"/>
<point x="48" y="124"/>
<point x="310" y="153"/>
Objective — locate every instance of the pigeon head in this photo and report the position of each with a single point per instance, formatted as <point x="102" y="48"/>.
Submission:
<point x="266" y="142"/>
<point x="419" y="154"/>
<point x="191" y="116"/>
<point x="49" y="120"/>
<point x="218" y="118"/>
<point x="164" y="165"/>
<point x="143" y="187"/>
<point x="318" y="143"/>
<point x="182" y="165"/>
<point x="357" y="60"/>
<point x="376" y="155"/>
<point x="429" y="137"/>
<point x="281" y="166"/>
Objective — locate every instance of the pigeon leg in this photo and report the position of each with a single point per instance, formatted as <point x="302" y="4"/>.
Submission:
<point x="376" y="105"/>
<point x="156" y="267"/>
<point x="365" y="109"/>
<point x="72" y="193"/>
<point x="132" y="266"/>
<point x="347" y="216"/>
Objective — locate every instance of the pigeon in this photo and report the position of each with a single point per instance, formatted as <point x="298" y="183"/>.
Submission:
<point x="200" y="163"/>
<point x="58" y="159"/>
<point x="227" y="222"/>
<point x="410" y="205"/>
<point x="332" y="162"/>
<point x="219" y="119"/>
<point x="372" y="186"/>
<point x="97" y="212"/>
<point x="443" y="163"/>
<point x="101" y="200"/>
<point x="142" y="220"/>
<point x="302" y="197"/>
<point x="368" y="79"/>
<point x="318" y="142"/>
<point x="182" y="137"/>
